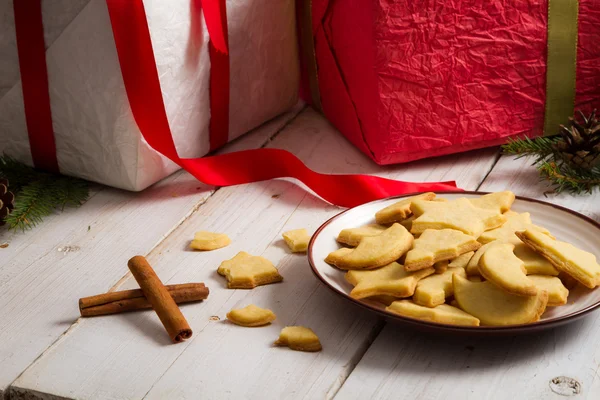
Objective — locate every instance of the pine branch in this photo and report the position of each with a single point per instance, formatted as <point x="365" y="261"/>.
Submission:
<point x="541" y="148"/>
<point x="34" y="203"/>
<point x="565" y="178"/>
<point x="69" y="192"/>
<point x="38" y="194"/>
<point x="18" y="174"/>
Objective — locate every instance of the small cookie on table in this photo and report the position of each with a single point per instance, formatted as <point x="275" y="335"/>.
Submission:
<point x="205" y="241"/>
<point x="297" y="240"/>
<point x="299" y="338"/>
<point x="251" y="316"/>
<point x="245" y="271"/>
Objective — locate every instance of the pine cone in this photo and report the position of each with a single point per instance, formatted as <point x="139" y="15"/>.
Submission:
<point x="7" y="201"/>
<point x="580" y="146"/>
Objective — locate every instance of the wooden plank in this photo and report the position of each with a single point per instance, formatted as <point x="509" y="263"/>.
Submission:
<point x="429" y="367"/>
<point x="81" y="251"/>
<point x="129" y="356"/>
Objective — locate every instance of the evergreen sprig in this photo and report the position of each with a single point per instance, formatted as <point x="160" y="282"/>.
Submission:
<point x="38" y="194"/>
<point x="552" y="166"/>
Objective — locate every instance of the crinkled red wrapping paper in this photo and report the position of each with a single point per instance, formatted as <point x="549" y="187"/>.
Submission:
<point x="406" y="79"/>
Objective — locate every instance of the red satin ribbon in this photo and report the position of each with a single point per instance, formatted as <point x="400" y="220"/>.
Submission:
<point x="34" y="81"/>
<point x="138" y="66"/>
<point x="215" y="15"/>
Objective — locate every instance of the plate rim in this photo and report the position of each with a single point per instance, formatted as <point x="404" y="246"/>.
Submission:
<point x="542" y="324"/>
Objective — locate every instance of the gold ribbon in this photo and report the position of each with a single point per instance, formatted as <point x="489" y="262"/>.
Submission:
<point x="561" y="63"/>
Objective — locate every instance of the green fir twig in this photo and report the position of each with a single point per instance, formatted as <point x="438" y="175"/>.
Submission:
<point x="38" y="194"/>
<point x="552" y="165"/>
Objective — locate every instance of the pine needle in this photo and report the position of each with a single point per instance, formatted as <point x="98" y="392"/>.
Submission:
<point x="552" y="166"/>
<point x="39" y="194"/>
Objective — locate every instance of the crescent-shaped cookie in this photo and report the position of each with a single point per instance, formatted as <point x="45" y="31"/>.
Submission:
<point x="496" y="307"/>
<point x="500" y="266"/>
<point x="377" y="251"/>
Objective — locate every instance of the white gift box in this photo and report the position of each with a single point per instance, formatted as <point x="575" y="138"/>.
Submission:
<point x="95" y="133"/>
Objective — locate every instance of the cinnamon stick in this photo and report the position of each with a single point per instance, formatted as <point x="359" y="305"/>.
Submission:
<point x="163" y="304"/>
<point x="131" y="300"/>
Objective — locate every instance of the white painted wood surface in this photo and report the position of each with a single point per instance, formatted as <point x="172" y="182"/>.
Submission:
<point x="81" y="251"/>
<point x="130" y="357"/>
<point x="424" y="367"/>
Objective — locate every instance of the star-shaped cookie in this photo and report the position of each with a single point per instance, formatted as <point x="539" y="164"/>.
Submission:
<point x="390" y="280"/>
<point x="438" y="245"/>
<point x="500" y="201"/>
<point x="459" y="214"/>
<point x="506" y="233"/>
<point x="245" y="271"/>
<point x="400" y="210"/>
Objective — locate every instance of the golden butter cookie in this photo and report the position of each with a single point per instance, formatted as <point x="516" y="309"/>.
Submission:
<point x="506" y="233"/>
<point x="438" y="245"/>
<point x="251" y="316"/>
<point x="337" y="255"/>
<point x="433" y="290"/>
<point x="440" y="267"/>
<point x="204" y="240"/>
<point x="443" y="314"/>
<point x="534" y="263"/>
<point x="500" y="266"/>
<point x="567" y="280"/>
<point x="299" y="338"/>
<point x="376" y="251"/>
<point x="353" y="236"/>
<point x="473" y="265"/>
<point x="407" y="222"/>
<point x="500" y="201"/>
<point x="400" y="210"/>
<point x="391" y="280"/>
<point x="245" y="271"/>
<point x="578" y="263"/>
<point x="494" y="306"/>
<point x="459" y="214"/>
<point x="297" y="240"/>
<point x="557" y="292"/>
<point x="461" y="261"/>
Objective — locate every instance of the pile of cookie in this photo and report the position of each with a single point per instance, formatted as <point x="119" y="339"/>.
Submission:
<point x="245" y="271"/>
<point x="470" y="262"/>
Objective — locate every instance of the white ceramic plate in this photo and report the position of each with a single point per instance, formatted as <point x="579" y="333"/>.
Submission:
<point x="565" y="224"/>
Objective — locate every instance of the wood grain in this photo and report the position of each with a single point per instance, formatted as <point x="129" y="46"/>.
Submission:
<point x="524" y="367"/>
<point x="128" y="357"/>
<point x="84" y="251"/>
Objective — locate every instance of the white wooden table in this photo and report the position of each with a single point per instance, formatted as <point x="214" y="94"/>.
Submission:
<point x="47" y="352"/>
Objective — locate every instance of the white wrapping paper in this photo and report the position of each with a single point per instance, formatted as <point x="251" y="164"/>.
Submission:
<point x="96" y="135"/>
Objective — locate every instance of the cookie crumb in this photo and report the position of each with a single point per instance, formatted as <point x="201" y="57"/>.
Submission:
<point x="214" y="318"/>
<point x="3" y="245"/>
<point x="275" y="196"/>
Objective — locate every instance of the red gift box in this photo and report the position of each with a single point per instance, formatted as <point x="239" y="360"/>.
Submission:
<point x="405" y="80"/>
